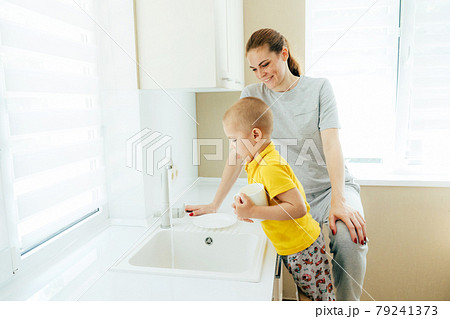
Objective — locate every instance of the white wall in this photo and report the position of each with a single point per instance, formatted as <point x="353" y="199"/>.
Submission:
<point x="5" y="253"/>
<point x="133" y="195"/>
<point x="120" y="109"/>
<point x="173" y="114"/>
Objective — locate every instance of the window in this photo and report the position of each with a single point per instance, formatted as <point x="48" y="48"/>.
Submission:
<point x="51" y="121"/>
<point x="388" y="62"/>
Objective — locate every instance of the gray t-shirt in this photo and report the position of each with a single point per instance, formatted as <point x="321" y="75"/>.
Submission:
<point x="299" y="115"/>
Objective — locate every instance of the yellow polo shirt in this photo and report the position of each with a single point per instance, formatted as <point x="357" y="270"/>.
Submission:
<point x="287" y="236"/>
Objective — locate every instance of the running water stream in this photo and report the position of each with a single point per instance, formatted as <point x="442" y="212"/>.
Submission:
<point x="172" y="242"/>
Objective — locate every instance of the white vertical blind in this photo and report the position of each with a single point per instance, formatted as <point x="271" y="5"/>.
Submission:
<point x="354" y="44"/>
<point x="426" y="70"/>
<point x="49" y="68"/>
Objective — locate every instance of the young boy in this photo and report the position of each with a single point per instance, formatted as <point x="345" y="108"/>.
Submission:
<point x="287" y="222"/>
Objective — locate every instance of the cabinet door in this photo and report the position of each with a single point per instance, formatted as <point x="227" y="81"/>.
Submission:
<point x="176" y="43"/>
<point x="236" y="43"/>
<point x="229" y="43"/>
<point x="222" y="33"/>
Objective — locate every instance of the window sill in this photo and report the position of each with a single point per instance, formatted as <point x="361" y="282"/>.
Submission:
<point x="377" y="175"/>
<point x="402" y="180"/>
<point x="77" y="235"/>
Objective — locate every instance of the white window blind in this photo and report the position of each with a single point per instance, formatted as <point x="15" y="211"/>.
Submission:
<point x="389" y="63"/>
<point x="356" y="49"/>
<point x="49" y="94"/>
<point x="424" y="96"/>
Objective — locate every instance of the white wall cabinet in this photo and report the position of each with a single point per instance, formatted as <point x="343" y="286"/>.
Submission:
<point x="197" y="45"/>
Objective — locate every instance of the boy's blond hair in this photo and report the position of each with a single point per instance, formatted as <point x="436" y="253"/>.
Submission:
<point x="249" y="113"/>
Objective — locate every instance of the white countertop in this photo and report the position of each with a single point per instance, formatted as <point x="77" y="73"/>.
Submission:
<point x="84" y="273"/>
<point x="122" y="285"/>
<point x="116" y="285"/>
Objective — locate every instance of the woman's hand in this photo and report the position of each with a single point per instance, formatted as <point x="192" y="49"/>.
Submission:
<point x="197" y="210"/>
<point x="338" y="209"/>
<point x="354" y="221"/>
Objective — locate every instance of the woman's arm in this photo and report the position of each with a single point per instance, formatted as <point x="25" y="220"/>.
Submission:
<point x="338" y="209"/>
<point x="291" y="205"/>
<point x="229" y="176"/>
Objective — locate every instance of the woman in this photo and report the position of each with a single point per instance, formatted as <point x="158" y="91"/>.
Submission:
<point x="306" y="124"/>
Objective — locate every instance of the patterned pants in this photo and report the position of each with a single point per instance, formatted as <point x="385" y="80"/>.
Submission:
<point x="311" y="271"/>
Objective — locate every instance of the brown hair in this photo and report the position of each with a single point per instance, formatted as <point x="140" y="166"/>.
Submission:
<point x="249" y="113"/>
<point x="276" y="41"/>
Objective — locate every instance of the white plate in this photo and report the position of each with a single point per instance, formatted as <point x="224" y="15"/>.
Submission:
<point x="217" y="220"/>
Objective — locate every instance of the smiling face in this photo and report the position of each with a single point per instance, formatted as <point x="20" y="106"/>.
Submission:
<point x="270" y="68"/>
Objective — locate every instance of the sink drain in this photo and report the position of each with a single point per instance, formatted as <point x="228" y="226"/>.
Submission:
<point x="208" y="241"/>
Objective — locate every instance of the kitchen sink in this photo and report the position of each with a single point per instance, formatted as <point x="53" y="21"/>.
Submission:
<point x="206" y="254"/>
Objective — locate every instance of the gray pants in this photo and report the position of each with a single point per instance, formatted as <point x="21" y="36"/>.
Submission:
<point x="349" y="259"/>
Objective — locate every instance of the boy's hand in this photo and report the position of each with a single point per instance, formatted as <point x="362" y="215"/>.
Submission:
<point x="247" y="220"/>
<point x="243" y="206"/>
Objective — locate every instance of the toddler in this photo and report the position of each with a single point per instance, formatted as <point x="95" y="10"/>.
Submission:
<point x="287" y="222"/>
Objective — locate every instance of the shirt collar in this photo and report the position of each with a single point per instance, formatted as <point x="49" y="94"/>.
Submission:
<point x="260" y="156"/>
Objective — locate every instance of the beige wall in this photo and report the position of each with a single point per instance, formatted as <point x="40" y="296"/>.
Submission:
<point x="210" y="110"/>
<point x="409" y="249"/>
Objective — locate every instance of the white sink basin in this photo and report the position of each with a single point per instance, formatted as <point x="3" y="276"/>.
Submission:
<point x="198" y="254"/>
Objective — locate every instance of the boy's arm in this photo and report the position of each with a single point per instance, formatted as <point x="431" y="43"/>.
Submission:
<point x="290" y="205"/>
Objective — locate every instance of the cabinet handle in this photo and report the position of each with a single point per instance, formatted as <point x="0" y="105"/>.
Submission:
<point x="238" y="82"/>
<point x="227" y="79"/>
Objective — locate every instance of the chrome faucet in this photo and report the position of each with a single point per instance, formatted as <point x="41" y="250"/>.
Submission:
<point x="166" y="211"/>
